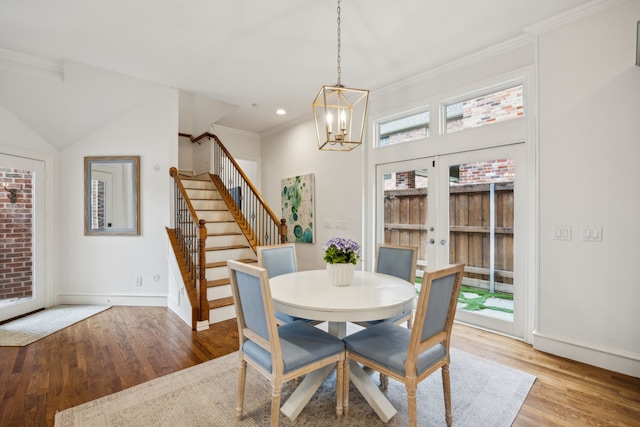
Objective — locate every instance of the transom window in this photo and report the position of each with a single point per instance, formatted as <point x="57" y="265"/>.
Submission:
<point x="494" y="107"/>
<point x="403" y="129"/>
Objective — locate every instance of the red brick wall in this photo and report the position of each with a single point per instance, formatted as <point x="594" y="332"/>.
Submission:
<point x="495" y="107"/>
<point x="16" y="225"/>
<point x="502" y="170"/>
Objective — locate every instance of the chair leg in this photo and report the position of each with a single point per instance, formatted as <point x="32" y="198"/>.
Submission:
<point x="446" y="388"/>
<point x="384" y="381"/>
<point x="276" y="389"/>
<point x="411" y="385"/>
<point x="345" y="387"/>
<point x="242" y="375"/>
<point x="340" y="386"/>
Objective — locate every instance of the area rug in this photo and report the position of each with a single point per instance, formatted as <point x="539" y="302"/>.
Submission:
<point x="483" y="393"/>
<point x="26" y="330"/>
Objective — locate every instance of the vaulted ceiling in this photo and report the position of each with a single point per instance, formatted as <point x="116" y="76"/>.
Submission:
<point x="248" y="57"/>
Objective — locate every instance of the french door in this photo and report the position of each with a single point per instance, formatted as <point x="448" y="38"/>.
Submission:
<point x="22" y="266"/>
<point x="464" y="207"/>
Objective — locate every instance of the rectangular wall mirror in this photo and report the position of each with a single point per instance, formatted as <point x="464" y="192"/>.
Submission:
<point x="112" y="195"/>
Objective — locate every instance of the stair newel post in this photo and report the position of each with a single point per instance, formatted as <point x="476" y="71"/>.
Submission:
<point x="283" y="230"/>
<point x="202" y="270"/>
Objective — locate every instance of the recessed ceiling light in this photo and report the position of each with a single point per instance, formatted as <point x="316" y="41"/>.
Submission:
<point x="281" y="112"/>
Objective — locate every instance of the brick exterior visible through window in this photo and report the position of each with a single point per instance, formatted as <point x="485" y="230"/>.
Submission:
<point x="16" y="233"/>
<point x="494" y="107"/>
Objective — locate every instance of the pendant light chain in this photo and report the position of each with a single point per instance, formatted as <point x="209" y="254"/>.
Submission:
<point x="339" y="45"/>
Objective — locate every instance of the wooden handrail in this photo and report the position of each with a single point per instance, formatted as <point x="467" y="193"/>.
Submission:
<point x="198" y="138"/>
<point x="233" y="161"/>
<point x="176" y="176"/>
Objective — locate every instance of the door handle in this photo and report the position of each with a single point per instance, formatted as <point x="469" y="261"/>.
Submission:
<point x="444" y="242"/>
<point x="430" y="242"/>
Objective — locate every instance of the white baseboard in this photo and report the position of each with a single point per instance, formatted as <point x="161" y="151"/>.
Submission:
<point x="607" y="358"/>
<point x="131" y="300"/>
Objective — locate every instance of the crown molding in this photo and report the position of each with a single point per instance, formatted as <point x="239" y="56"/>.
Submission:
<point x="574" y="15"/>
<point x="34" y="66"/>
<point x="468" y="60"/>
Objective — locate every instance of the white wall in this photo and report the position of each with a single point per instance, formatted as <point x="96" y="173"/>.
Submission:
<point x="14" y="133"/>
<point x="589" y="152"/>
<point x="102" y="269"/>
<point x="589" y="104"/>
<point x="338" y="193"/>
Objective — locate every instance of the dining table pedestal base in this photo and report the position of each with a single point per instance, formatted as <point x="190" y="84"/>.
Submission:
<point x="357" y="375"/>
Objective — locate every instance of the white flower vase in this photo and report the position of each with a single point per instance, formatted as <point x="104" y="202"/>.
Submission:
<point x="340" y="274"/>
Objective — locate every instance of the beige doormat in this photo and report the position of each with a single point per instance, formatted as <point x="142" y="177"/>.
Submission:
<point x="483" y="393"/>
<point x="24" y="331"/>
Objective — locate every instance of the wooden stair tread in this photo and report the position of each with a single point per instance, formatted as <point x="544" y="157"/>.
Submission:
<point x="218" y="282"/>
<point x="224" y="263"/>
<point x="221" y="302"/>
<point x="188" y="176"/>
<point x="222" y="248"/>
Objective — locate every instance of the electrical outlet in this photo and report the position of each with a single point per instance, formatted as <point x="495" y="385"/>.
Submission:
<point x="138" y="280"/>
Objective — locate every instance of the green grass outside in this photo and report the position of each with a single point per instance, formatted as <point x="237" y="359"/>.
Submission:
<point x="478" y="302"/>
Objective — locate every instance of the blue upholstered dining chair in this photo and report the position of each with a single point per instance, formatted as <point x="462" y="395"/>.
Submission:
<point x="280" y="353"/>
<point x="411" y="355"/>
<point x="277" y="260"/>
<point x="398" y="261"/>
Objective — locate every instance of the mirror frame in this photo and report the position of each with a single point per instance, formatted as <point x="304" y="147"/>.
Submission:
<point x="131" y="231"/>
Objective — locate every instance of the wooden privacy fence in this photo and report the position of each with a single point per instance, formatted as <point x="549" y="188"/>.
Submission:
<point x="472" y="233"/>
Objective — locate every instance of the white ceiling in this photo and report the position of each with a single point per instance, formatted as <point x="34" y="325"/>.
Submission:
<point x="253" y="56"/>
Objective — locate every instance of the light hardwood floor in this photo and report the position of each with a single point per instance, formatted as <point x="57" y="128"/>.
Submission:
<point x="125" y="346"/>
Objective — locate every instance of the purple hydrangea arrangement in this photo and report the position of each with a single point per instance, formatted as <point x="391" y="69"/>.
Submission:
<point x="341" y="251"/>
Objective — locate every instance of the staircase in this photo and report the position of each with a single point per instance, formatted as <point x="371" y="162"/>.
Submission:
<point x="225" y="241"/>
<point x="219" y="216"/>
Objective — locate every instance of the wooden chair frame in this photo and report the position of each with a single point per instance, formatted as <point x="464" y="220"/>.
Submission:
<point x="411" y="378"/>
<point x="277" y="377"/>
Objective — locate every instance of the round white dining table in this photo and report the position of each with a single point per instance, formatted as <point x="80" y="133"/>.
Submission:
<point x="370" y="296"/>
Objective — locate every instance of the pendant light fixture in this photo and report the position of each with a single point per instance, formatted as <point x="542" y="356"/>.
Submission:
<point x="340" y="112"/>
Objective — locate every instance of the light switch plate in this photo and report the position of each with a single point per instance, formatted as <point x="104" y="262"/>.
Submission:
<point x="341" y="224"/>
<point x="561" y="232"/>
<point x="592" y="233"/>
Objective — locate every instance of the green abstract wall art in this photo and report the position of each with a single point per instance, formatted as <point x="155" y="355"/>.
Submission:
<point x="297" y="207"/>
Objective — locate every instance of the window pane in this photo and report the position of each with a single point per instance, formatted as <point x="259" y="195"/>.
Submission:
<point x="404" y="129"/>
<point x="493" y="107"/>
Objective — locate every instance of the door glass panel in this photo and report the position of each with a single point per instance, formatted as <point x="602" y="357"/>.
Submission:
<point x="16" y="235"/>
<point x="22" y="284"/>
<point x="405" y="210"/>
<point x="481" y="235"/>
